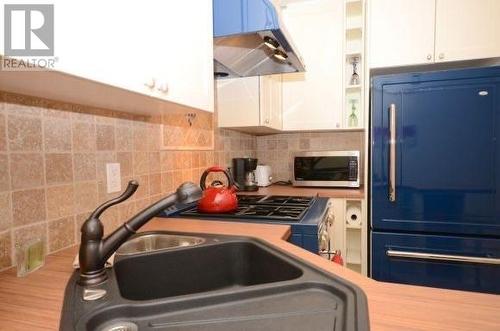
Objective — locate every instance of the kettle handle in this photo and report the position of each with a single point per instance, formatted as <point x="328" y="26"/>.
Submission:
<point x="215" y="169"/>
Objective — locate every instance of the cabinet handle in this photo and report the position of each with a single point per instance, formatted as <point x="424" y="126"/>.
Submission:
<point x="441" y="56"/>
<point x="392" y="152"/>
<point x="429" y="57"/>
<point x="442" y="257"/>
<point x="150" y="84"/>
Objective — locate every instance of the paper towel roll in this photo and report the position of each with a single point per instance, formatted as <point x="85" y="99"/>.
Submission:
<point x="353" y="215"/>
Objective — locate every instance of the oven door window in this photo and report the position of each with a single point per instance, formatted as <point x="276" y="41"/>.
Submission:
<point x="325" y="168"/>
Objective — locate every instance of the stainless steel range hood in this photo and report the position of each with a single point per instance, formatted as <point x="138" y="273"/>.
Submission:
<point x="250" y="40"/>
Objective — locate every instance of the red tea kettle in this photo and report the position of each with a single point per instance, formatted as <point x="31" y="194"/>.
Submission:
<point x="217" y="199"/>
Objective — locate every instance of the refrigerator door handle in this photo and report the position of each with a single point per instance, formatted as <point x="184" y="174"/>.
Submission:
<point x="392" y="152"/>
<point x="443" y="257"/>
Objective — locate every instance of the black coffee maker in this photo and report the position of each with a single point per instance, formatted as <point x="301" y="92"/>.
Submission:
<point x="243" y="172"/>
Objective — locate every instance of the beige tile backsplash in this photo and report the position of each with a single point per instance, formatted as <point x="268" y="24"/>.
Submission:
<point x="53" y="157"/>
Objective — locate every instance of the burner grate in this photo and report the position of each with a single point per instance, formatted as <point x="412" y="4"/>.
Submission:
<point x="264" y="208"/>
<point x="250" y="199"/>
<point x="288" y="200"/>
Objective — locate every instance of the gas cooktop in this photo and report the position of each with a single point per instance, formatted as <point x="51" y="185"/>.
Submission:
<point x="261" y="207"/>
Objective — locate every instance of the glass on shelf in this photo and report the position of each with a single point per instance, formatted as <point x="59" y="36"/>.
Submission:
<point x="355" y="76"/>
<point x="353" y="119"/>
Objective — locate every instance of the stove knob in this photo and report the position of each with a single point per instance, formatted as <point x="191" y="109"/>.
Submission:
<point x="330" y="219"/>
<point x="323" y="241"/>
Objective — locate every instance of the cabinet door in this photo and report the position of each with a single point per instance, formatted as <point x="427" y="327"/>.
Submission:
<point x="238" y="102"/>
<point x="139" y="45"/>
<point x="312" y="100"/>
<point x="270" y="102"/>
<point x="467" y="29"/>
<point x="401" y="258"/>
<point x="401" y="32"/>
<point x="91" y="45"/>
<point x="184" y="34"/>
<point x="446" y="155"/>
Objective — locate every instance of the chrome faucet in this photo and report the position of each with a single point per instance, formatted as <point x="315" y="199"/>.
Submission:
<point x="95" y="251"/>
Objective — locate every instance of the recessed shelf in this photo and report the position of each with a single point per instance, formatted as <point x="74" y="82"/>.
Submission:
<point x="353" y="87"/>
<point x="353" y="54"/>
<point x="353" y="257"/>
<point x="354" y="35"/>
<point x="353" y="42"/>
<point x="354" y="8"/>
<point x="353" y="227"/>
<point x="354" y="25"/>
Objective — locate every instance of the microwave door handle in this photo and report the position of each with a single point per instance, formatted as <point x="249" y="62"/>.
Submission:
<point x="392" y="152"/>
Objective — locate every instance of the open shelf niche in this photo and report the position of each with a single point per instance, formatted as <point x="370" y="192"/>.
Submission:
<point x="354" y="53"/>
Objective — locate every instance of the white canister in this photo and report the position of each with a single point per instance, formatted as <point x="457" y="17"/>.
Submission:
<point x="263" y="175"/>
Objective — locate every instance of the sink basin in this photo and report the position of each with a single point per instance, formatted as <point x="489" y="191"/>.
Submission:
<point x="220" y="283"/>
<point x="156" y="241"/>
<point x="201" y="269"/>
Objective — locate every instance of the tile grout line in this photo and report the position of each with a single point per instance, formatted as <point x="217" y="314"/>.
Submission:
<point x="74" y="178"/>
<point x="11" y="204"/>
<point x="47" y="245"/>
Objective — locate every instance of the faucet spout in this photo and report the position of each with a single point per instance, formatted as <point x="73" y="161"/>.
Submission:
<point x="95" y="251"/>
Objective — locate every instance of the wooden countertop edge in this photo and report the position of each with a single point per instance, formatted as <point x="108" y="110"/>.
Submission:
<point x="34" y="302"/>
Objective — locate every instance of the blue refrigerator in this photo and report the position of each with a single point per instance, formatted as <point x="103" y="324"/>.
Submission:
<point x="435" y="179"/>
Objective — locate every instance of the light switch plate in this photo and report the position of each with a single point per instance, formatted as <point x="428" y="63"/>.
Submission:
<point x="113" y="177"/>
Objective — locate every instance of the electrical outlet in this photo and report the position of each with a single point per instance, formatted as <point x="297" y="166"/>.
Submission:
<point x="113" y="177"/>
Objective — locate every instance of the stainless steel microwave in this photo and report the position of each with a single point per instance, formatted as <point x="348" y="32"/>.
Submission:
<point x="331" y="169"/>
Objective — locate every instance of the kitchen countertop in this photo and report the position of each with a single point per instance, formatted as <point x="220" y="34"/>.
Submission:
<point x="34" y="302"/>
<point x="346" y="193"/>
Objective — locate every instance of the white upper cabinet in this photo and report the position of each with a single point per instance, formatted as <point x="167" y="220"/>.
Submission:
<point x="409" y="32"/>
<point x="401" y="32"/>
<point x="238" y="102"/>
<point x="271" y="102"/>
<point x="251" y="104"/>
<point x="162" y="49"/>
<point x="467" y="29"/>
<point x="312" y="100"/>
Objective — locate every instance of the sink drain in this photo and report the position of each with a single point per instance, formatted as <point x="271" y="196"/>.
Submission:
<point x="121" y="326"/>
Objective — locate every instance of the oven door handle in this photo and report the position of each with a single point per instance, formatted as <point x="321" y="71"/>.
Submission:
<point x="442" y="257"/>
<point x="392" y="152"/>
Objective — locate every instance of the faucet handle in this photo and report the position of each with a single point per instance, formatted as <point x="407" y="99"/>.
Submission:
<point x="129" y="191"/>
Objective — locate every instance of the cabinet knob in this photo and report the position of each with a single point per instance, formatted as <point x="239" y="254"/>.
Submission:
<point x="266" y="121"/>
<point x="162" y="88"/>
<point x="441" y="56"/>
<point x="429" y="57"/>
<point x="150" y="84"/>
<point x="337" y="125"/>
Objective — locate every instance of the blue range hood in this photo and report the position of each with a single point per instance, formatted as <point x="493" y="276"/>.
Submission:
<point x="250" y="40"/>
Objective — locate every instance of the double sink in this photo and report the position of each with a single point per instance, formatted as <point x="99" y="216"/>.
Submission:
<point x="167" y="281"/>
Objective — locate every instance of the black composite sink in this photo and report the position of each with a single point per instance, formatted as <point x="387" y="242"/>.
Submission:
<point x="207" y="268"/>
<point x="226" y="283"/>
